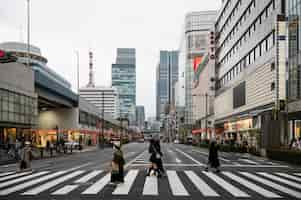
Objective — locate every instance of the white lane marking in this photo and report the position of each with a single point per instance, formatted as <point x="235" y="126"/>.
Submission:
<point x="178" y="160"/>
<point x="170" y="151"/>
<point x="30" y="183"/>
<point x="225" y="165"/>
<point x="98" y="186"/>
<point x="188" y="156"/>
<point x="65" y="190"/>
<point x="150" y="186"/>
<point x="6" y="173"/>
<point x="205" y="189"/>
<point x="289" y="176"/>
<point x="256" y="166"/>
<point x="206" y="154"/>
<point x="225" y="160"/>
<point x="298" y="174"/>
<point x="14" y="176"/>
<point x="88" y="177"/>
<point x="176" y="185"/>
<point x="227" y="186"/>
<point x="272" y="184"/>
<point x="8" y="183"/>
<point x="276" y="178"/>
<point x="249" y="161"/>
<point x="51" y="184"/>
<point x="252" y="186"/>
<point x="132" y="161"/>
<point x="124" y="189"/>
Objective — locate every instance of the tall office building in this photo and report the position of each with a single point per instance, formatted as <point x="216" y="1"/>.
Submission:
<point x="250" y="69"/>
<point x="104" y="98"/>
<point x="124" y="80"/>
<point x="166" y="78"/>
<point x="197" y="28"/>
<point x="140" y="116"/>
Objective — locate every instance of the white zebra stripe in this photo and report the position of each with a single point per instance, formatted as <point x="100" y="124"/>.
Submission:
<point x="289" y="176"/>
<point x="151" y="186"/>
<point x="88" y="177"/>
<point x="65" y="190"/>
<point x="14" y="175"/>
<point x="251" y="186"/>
<point x="176" y="185"/>
<point x="124" y="189"/>
<point x="272" y="184"/>
<point x="51" y="184"/>
<point x="14" y="181"/>
<point x="6" y="173"/>
<point x="205" y="189"/>
<point x="276" y="178"/>
<point x="98" y="186"/>
<point x="228" y="187"/>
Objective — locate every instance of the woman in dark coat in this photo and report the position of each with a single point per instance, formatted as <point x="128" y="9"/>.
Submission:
<point x="155" y="155"/>
<point x="213" y="160"/>
<point x="118" y="162"/>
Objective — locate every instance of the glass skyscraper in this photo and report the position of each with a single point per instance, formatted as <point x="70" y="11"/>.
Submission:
<point x="124" y="80"/>
<point x="167" y="76"/>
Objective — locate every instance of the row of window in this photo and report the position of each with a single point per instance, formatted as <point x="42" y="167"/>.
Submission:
<point x="87" y="119"/>
<point x="222" y="15"/>
<point x="248" y="33"/>
<point x="262" y="47"/>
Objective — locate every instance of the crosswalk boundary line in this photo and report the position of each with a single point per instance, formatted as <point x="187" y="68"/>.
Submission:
<point x="88" y="177"/>
<point x="30" y="183"/>
<point x="252" y="186"/>
<point x="271" y="184"/>
<point x="201" y="185"/>
<point x="14" y="176"/>
<point x="227" y="186"/>
<point x="289" y="176"/>
<point x="249" y="161"/>
<point x="6" y="173"/>
<point x="14" y="181"/>
<point x="150" y="186"/>
<point x="98" y="186"/>
<point x="175" y="183"/>
<point x="279" y="179"/>
<point x="124" y="188"/>
<point x="65" y="190"/>
<point x="48" y="185"/>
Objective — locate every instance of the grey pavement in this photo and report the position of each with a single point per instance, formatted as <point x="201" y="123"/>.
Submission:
<point x="86" y="176"/>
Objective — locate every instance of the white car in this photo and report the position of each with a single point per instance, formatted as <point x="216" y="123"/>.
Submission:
<point x="74" y="145"/>
<point x="176" y="141"/>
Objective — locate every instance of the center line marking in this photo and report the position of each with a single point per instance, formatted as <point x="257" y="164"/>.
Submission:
<point x="188" y="156"/>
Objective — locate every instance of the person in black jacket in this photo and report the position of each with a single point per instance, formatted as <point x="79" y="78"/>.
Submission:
<point x="159" y="162"/>
<point x="213" y="160"/>
<point x="155" y="155"/>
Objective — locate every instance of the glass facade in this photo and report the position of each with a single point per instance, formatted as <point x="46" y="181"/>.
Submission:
<point x="167" y="76"/>
<point x="17" y="108"/>
<point x="294" y="60"/>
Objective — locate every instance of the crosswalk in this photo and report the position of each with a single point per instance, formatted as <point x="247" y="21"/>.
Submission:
<point x="238" y="184"/>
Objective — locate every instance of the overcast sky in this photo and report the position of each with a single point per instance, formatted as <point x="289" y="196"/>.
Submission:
<point x="60" y="27"/>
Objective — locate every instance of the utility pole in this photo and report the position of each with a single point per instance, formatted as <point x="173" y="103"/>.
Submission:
<point x="206" y="112"/>
<point x="28" y="33"/>
<point x="103" y="118"/>
<point x="77" y="63"/>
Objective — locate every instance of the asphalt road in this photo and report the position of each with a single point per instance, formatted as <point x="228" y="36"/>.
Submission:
<point x="86" y="176"/>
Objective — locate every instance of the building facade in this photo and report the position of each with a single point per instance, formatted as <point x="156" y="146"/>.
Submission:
<point x="124" y="80"/>
<point x="104" y="98"/>
<point x="166" y="78"/>
<point x="197" y="27"/>
<point x="140" y="116"/>
<point x="294" y="67"/>
<point x="250" y="71"/>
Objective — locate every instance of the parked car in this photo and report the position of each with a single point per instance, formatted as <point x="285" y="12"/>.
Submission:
<point x="176" y="141"/>
<point x="74" y="145"/>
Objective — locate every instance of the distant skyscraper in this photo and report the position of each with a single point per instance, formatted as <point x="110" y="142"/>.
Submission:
<point x="124" y="80"/>
<point x="140" y="116"/>
<point x="167" y="76"/>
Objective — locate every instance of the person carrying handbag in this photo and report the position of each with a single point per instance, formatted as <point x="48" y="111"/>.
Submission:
<point x="117" y="165"/>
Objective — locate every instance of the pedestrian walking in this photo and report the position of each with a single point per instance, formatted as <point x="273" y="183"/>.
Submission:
<point x="117" y="164"/>
<point x="25" y="157"/>
<point x="159" y="156"/>
<point x="17" y="149"/>
<point x="154" y="159"/>
<point x="51" y="147"/>
<point x="213" y="161"/>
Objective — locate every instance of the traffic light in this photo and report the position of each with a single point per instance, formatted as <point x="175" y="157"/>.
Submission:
<point x="6" y="57"/>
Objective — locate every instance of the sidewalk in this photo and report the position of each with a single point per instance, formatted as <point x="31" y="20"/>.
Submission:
<point x="6" y="159"/>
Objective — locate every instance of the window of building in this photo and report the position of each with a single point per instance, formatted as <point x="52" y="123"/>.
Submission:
<point x="272" y="86"/>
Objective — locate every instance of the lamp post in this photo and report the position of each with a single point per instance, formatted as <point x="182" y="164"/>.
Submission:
<point x="103" y="119"/>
